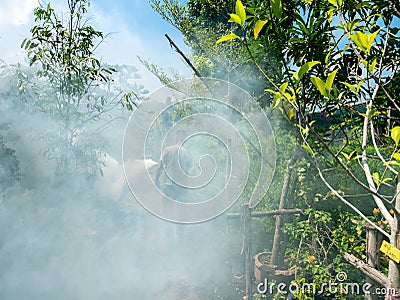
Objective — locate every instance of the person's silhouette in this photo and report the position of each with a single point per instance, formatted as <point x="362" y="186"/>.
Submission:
<point x="172" y="173"/>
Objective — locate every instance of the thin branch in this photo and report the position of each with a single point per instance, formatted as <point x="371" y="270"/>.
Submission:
<point x="377" y="150"/>
<point x="365" y="164"/>
<point x="335" y="192"/>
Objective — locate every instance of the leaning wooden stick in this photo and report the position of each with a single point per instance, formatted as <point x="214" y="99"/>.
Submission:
<point x="171" y="42"/>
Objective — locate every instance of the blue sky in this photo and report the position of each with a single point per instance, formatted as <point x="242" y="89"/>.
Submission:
<point x="135" y="30"/>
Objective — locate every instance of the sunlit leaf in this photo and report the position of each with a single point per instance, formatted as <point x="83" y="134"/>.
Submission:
<point x="329" y="80"/>
<point x="350" y="86"/>
<point x="235" y="18"/>
<point x="350" y="25"/>
<point x="258" y="26"/>
<point x="395" y="134"/>
<point x="284" y="86"/>
<point x="346" y="156"/>
<point x="329" y="14"/>
<point x="320" y="85"/>
<point x="364" y="41"/>
<point x="376" y="178"/>
<point x="290" y="114"/>
<point x="227" y="37"/>
<point x="369" y="65"/>
<point x="240" y="11"/>
<point x="304" y="69"/>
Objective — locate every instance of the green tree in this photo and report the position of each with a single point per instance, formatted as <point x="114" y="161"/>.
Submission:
<point x="201" y="22"/>
<point x="340" y="61"/>
<point x="71" y="85"/>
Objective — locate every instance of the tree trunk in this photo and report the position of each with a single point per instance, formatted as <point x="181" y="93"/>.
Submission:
<point x="276" y="256"/>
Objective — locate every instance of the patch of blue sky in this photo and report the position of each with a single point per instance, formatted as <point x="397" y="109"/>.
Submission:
<point x="134" y="27"/>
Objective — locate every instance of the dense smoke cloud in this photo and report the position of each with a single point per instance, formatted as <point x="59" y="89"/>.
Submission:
<point x="70" y="234"/>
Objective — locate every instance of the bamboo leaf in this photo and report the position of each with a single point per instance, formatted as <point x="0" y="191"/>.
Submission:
<point x="350" y="26"/>
<point x="329" y="14"/>
<point x="360" y="84"/>
<point x="346" y="156"/>
<point x="284" y="86"/>
<point x="353" y="155"/>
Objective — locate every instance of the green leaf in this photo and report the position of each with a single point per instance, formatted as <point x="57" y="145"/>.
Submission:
<point x="290" y="114"/>
<point x="258" y="26"/>
<point x="392" y="162"/>
<point x="329" y="14"/>
<point x="364" y="41"/>
<point x="376" y="178"/>
<point x="320" y="85"/>
<point x="396" y="156"/>
<point x="350" y="26"/>
<point x="360" y="84"/>
<point x="277" y="8"/>
<point x="352" y="87"/>
<point x="235" y="18"/>
<point x="308" y="149"/>
<point x="370" y="66"/>
<point x="361" y="40"/>
<point x="333" y="2"/>
<point x="284" y="86"/>
<point x="346" y="156"/>
<point x="325" y="87"/>
<point x="350" y="156"/>
<point x="395" y="134"/>
<point x="239" y="9"/>
<point x="329" y="80"/>
<point x="227" y="37"/>
<point x="304" y="69"/>
<point x="386" y="179"/>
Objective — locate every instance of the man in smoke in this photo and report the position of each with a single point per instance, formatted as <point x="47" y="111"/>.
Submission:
<point x="172" y="172"/>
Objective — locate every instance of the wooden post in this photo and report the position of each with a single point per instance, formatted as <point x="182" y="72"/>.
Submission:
<point x="374" y="241"/>
<point x="246" y="216"/>
<point x="277" y="256"/>
<point x="247" y="249"/>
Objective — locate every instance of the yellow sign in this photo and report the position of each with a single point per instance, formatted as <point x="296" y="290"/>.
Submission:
<point x="391" y="251"/>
